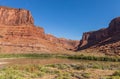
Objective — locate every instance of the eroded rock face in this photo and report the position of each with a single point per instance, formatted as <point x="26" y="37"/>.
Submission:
<point x="12" y="16"/>
<point x="69" y="44"/>
<point x="92" y="38"/>
<point x="18" y="34"/>
<point x="114" y="26"/>
<point x="65" y="43"/>
<point x="106" y="40"/>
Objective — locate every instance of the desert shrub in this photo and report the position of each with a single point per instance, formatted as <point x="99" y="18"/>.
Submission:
<point x="68" y="56"/>
<point x="115" y="77"/>
<point x="77" y="75"/>
<point x="117" y="73"/>
<point x="111" y="77"/>
<point x="59" y="66"/>
<point x="97" y="66"/>
<point x="86" y="75"/>
<point x="78" y="67"/>
<point x="23" y="72"/>
<point x="12" y="74"/>
<point x="63" y="75"/>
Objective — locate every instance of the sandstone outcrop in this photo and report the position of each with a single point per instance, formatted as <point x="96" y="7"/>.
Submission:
<point x="66" y="43"/>
<point x="12" y="16"/>
<point x="18" y="34"/>
<point x="106" y="40"/>
<point x="114" y="26"/>
<point x="92" y="38"/>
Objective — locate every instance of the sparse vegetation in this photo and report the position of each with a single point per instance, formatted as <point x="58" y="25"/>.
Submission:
<point x="117" y="73"/>
<point x="37" y="71"/>
<point x="68" y="56"/>
<point x="60" y="71"/>
<point x="82" y="69"/>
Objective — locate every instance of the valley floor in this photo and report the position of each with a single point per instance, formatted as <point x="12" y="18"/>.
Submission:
<point x="59" y="66"/>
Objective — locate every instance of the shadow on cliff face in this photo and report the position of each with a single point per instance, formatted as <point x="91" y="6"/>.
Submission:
<point x="101" y="37"/>
<point x="92" y="38"/>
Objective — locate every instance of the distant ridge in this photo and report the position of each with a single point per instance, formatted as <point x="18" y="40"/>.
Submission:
<point x="106" y="40"/>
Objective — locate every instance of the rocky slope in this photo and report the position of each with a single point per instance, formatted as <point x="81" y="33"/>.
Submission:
<point x="18" y="34"/>
<point x="106" y="40"/>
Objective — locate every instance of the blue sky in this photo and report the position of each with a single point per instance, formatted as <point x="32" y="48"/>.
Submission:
<point x="69" y="18"/>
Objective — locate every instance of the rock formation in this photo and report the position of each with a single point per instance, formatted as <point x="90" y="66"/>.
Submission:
<point x="92" y="38"/>
<point x="66" y="43"/>
<point x="114" y="26"/>
<point x="106" y="40"/>
<point x="18" y="34"/>
<point x="12" y="16"/>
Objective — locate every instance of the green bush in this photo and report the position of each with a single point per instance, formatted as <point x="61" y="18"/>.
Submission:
<point x="63" y="75"/>
<point x="86" y="75"/>
<point x="117" y="73"/>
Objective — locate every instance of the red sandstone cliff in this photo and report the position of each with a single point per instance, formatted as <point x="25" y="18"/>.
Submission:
<point x="106" y="40"/>
<point x="12" y="16"/>
<point x="66" y="43"/>
<point x="19" y="34"/>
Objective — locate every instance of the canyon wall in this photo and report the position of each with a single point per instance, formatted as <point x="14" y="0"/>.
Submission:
<point x="19" y="34"/>
<point x="106" y="40"/>
<point x="12" y="16"/>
